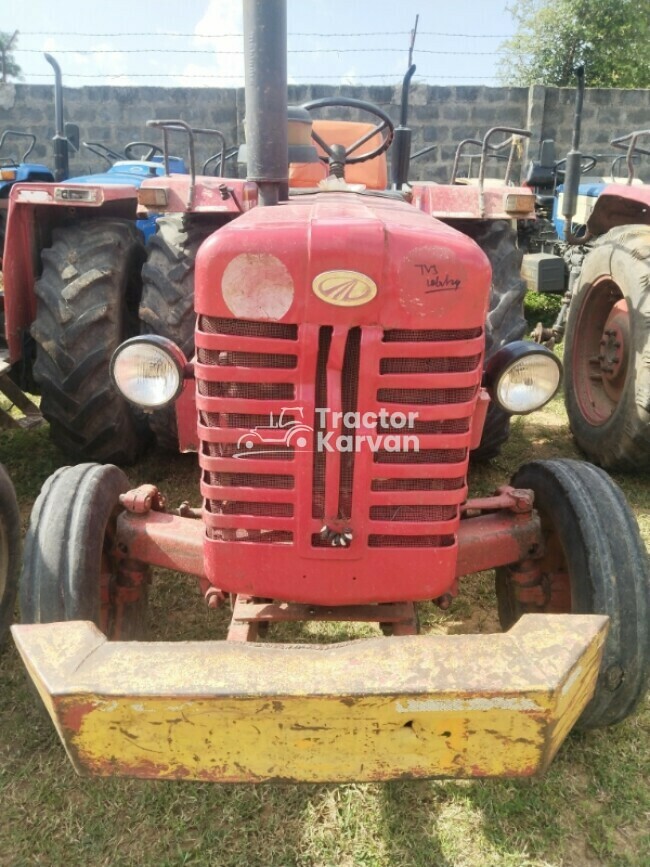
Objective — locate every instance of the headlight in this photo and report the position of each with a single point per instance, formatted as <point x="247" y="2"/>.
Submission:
<point x="523" y="377"/>
<point x="148" y="371"/>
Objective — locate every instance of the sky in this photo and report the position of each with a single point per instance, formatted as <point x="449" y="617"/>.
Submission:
<point x="330" y="41"/>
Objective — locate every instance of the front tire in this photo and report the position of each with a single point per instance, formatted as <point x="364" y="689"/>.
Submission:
<point x="9" y="552"/>
<point x="69" y="571"/>
<point x="87" y="301"/>
<point x="607" y="351"/>
<point x="594" y="562"/>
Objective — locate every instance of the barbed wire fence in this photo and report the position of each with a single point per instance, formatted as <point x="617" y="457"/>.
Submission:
<point x="357" y="78"/>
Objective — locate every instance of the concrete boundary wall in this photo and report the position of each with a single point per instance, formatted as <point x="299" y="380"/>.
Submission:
<point x="439" y="115"/>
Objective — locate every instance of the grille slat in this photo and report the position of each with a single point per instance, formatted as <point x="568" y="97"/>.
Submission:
<point x="246" y="370"/>
<point x="432" y="335"/>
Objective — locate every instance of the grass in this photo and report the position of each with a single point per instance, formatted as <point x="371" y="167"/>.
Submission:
<point x="592" y="808"/>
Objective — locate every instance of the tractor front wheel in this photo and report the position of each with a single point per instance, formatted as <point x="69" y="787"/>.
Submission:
<point x="607" y="351"/>
<point x="70" y="567"/>
<point x="87" y="302"/>
<point x="9" y="551"/>
<point x="593" y="562"/>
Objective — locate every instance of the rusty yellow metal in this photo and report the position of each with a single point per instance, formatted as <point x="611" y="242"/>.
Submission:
<point x="373" y="709"/>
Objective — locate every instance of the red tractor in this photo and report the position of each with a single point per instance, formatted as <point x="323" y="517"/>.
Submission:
<point x="75" y="288"/>
<point x="592" y="244"/>
<point x="353" y="311"/>
<point x="486" y="210"/>
<point x="607" y="341"/>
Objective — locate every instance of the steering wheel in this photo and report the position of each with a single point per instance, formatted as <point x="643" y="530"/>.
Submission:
<point x="152" y="149"/>
<point x="340" y="153"/>
<point x="586" y="164"/>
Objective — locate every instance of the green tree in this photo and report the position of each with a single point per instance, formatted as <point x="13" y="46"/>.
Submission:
<point x="611" y="38"/>
<point x="8" y="66"/>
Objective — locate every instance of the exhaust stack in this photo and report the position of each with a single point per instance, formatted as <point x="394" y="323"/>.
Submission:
<point x="573" y="163"/>
<point x="61" y="166"/>
<point x="265" y="58"/>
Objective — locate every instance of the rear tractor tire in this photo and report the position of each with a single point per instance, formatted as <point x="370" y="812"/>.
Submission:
<point x="594" y="562"/>
<point x="607" y="351"/>
<point x="9" y="552"/>
<point x="87" y="301"/>
<point x="69" y="568"/>
<point x="505" y="320"/>
<point x="167" y="306"/>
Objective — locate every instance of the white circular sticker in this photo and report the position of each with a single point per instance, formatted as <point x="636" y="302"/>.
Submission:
<point x="257" y="286"/>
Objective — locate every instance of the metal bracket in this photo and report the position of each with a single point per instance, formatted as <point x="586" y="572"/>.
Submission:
<point x="250" y="613"/>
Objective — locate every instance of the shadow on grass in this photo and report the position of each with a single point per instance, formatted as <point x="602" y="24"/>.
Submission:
<point x="410" y="816"/>
<point x="591" y="808"/>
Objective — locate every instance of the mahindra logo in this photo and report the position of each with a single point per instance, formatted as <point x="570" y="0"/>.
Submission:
<point x="344" y="288"/>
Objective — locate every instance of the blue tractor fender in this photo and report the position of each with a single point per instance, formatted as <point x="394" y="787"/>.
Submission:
<point x="589" y="190"/>
<point x="24" y="172"/>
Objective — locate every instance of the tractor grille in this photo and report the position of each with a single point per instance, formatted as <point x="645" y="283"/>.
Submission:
<point x="270" y="484"/>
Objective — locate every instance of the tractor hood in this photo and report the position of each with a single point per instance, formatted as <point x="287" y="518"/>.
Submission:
<point x="344" y="257"/>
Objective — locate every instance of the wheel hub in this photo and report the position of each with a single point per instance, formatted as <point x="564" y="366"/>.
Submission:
<point x="601" y="350"/>
<point x="612" y="357"/>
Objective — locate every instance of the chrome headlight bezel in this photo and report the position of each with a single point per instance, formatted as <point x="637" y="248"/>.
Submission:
<point x="167" y="350"/>
<point x="503" y="363"/>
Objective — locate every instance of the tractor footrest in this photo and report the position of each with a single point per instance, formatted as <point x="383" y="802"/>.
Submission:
<point x="371" y="709"/>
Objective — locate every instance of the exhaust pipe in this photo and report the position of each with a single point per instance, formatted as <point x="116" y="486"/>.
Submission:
<point x="265" y="58"/>
<point x="401" y="157"/>
<point x="573" y="162"/>
<point x="61" y="165"/>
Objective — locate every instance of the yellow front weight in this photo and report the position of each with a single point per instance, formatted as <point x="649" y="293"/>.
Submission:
<point x="373" y="709"/>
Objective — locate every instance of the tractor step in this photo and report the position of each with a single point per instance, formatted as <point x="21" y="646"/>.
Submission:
<point x="370" y="709"/>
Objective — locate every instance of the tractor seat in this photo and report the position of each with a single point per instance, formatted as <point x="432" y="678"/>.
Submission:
<point x="540" y="177"/>
<point x="373" y="173"/>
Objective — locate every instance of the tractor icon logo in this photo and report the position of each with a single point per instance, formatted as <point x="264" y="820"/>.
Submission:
<point x="295" y="433"/>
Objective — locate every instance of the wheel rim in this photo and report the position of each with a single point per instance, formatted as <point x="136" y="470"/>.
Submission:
<point x="553" y="571"/>
<point x="539" y="586"/>
<point x="107" y="582"/>
<point x="601" y="352"/>
<point x="120" y="589"/>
